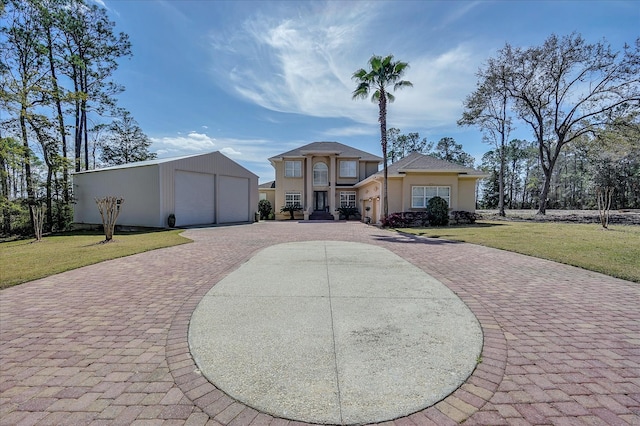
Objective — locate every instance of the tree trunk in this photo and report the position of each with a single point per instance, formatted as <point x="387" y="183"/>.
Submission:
<point x="60" y="117"/>
<point x="604" y="197"/>
<point x="77" y="140"/>
<point x="38" y="213"/>
<point x="49" y="200"/>
<point x="83" y="123"/>
<point x="4" y="191"/>
<point x="31" y="196"/>
<point x="512" y="183"/>
<point x="84" y="119"/>
<point x="546" y="186"/>
<point x="109" y="208"/>
<point x="501" y="180"/>
<point x="544" y="193"/>
<point x="383" y="141"/>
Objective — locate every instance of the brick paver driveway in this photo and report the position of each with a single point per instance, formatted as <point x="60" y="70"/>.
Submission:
<point x="107" y="344"/>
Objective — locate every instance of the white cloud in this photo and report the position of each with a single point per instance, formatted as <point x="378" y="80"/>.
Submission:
<point x="298" y="64"/>
<point x="192" y="143"/>
<point x="351" y="131"/>
<point x="251" y="153"/>
<point x="461" y="9"/>
<point x="302" y="64"/>
<point x="230" y="152"/>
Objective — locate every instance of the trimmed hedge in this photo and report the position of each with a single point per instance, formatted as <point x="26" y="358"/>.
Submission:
<point x="464" y="217"/>
<point x="424" y="218"/>
<point x="438" y="210"/>
<point x="406" y="220"/>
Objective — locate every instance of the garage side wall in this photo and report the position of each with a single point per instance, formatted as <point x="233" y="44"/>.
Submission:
<point x="467" y="195"/>
<point x="137" y="185"/>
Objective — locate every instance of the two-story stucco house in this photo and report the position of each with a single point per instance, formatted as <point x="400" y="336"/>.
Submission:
<point x="323" y="176"/>
<point x="320" y="177"/>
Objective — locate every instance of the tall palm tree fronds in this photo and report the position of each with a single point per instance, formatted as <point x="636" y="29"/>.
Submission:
<point x="382" y="74"/>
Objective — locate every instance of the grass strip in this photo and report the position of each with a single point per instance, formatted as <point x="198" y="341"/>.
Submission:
<point x="613" y="252"/>
<point x="26" y="260"/>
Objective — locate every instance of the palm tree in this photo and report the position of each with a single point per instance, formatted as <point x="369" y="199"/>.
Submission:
<point x="382" y="73"/>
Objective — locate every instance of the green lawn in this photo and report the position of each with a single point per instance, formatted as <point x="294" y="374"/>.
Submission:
<point x="26" y="260"/>
<point x="614" y="252"/>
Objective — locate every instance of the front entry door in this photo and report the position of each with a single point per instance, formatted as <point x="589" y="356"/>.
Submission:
<point x="320" y="201"/>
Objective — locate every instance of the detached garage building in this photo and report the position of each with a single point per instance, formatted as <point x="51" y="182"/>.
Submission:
<point x="198" y="189"/>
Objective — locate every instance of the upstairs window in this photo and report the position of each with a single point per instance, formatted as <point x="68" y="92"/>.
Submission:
<point x="320" y="174"/>
<point x="348" y="169"/>
<point x="293" y="169"/>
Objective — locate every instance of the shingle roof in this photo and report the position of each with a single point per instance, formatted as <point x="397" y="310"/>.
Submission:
<point x="328" y="147"/>
<point x="421" y="162"/>
<point x="268" y="185"/>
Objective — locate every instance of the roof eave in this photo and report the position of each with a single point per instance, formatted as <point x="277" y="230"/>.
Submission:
<point x="474" y="176"/>
<point x="431" y="171"/>
<point x="374" y="177"/>
<point x="320" y="152"/>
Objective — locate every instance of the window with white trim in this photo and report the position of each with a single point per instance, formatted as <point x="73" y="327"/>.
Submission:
<point x="420" y="195"/>
<point x="292" y="199"/>
<point x="348" y="168"/>
<point x="293" y="168"/>
<point x="320" y="174"/>
<point x="347" y="198"/>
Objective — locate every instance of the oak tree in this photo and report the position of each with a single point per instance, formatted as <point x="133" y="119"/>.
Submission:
<point x="565" y="89"/>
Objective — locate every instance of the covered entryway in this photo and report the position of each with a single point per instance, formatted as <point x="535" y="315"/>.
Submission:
<point x="320" y="201"/>
<point x="195" y="195"/>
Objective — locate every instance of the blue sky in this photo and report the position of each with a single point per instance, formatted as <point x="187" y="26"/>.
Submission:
<point x="255" y="78"/>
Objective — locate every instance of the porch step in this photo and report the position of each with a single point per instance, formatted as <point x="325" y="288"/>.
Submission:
<point x="320" y="215"/>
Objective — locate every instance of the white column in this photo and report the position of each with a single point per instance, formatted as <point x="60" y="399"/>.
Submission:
<point x="332" y="187"/>
<point x="308" y="196"/>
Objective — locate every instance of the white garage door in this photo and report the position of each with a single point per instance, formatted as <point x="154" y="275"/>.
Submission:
<point x="194" y="198"/>
<point x="233" y="199"/>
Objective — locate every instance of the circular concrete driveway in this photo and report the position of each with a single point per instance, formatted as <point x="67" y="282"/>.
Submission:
<point x="334" y="333"/>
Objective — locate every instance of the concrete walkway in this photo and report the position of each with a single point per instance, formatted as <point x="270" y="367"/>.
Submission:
<point x="108" y="344"/>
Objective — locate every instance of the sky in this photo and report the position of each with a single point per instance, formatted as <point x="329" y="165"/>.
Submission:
<point x="254" y="79"/>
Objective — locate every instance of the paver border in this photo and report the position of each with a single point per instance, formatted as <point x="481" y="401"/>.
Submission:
<point x="457" y="407"/>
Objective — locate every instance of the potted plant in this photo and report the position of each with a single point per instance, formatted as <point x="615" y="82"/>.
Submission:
<point x="171" y="220"/>
<point x="264" y="208"/>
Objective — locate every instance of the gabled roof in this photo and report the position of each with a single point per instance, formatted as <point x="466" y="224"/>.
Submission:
<point x="267" y="185"/>
<point x="327" y="148"/>
<point x="140" y="163"/>
<point x="157" y="161"/>
<point x="417" y="162"/>
<point x="421" y="163"/>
